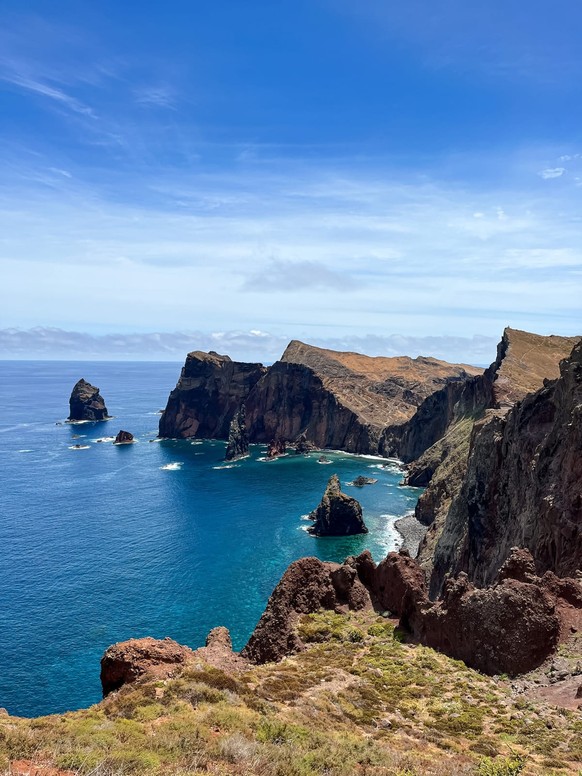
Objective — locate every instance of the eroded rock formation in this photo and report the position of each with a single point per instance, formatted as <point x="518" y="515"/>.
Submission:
<point x="128" y="661"/>
<point x="337" y="514"/>
<point x="238" y="440"/>
<point x="124" y="438"/>
<point x="522" y="486"/>
<point x="276" y="448"/>
<point x="209" y="393"/>
<point x="86" y="403"/>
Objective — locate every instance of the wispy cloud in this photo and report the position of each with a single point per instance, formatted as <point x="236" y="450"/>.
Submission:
<point x="160" y="96"/>
<point x="43" y="89"/>
<point x="287" y="276"/>
<point x="552" y="172"/>
<point x="252" y="345"/>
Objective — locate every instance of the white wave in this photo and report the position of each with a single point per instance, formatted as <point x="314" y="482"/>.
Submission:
<point x="305" y="517"/>
<point x="79" y="447"/>
<point x="26" y="451"/>
<point x="226" y="466"/>
<point x="105" y="439"/>
<point x="172" y="467"/>
<point x="324" y="463"/>
<point x="197" y="442"/>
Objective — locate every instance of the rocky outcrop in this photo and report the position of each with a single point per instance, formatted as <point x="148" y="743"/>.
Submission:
<point x="128" y="661"/>
<point x="360" y="481"/>
<point x="335" y="400"/>
<point x="238" y="440"/>
<point x="209" y="393"/>
<point x="86" y="403"/>
<point x="337" y="513"/>
<point x="276" y="448"/>
<point x="303" y="445"/>
<point x="307" y="586"/>
<point x="522" y="486"/>
<point x="124" y="438"/>
<point x="510" y="627"/>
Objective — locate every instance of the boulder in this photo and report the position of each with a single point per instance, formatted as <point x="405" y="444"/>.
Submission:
<point x="337" y="514"/>
<point x="123" y="438"/>
<point x="128" y="661"/>
<point x="86" y="403"/>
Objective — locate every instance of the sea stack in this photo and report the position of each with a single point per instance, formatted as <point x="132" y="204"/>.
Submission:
<point x="123" y="438"/>
<point x="238" y="440"/>
<point x="86" y="403"/>
<point x="276" y="448"/>
<point x="337" y="514"/>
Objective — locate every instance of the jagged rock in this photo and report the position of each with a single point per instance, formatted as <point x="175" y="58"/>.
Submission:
<point x="123" y="438"/>
<point x="276" y="448"/>
<point x="522" y="486"/>
<point x="86" y="403"/>
<point x="210" y="391"/>
<point x="360" y="481"/>
<point x="129" y="661"/>
<point x="510" y="627"/>
<point x="306" y="586"/>
<point x="218" y="652"/>
<point x="303" y="445"/>
<point x="337" y="514"/>
<point x="238" y="441"/>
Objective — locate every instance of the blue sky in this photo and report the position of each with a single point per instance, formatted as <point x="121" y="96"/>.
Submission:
<point x="322" y="169"/>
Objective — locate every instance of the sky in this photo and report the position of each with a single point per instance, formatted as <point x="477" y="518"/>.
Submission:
<point x="377" y="174"/>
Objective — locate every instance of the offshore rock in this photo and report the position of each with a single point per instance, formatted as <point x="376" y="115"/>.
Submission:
<point x="209" y="393"/>
<point x="522" y="486"/>
<point x="124" y="438"/>
<point x="128" y="661"/>
<point x="86" y="403"/>
<point x="303" y="445"/>
<point x="337" y="513"/>
<point x="360" y="481"/>
<point x="238" y="440"/>
<point x="276" y="448"/>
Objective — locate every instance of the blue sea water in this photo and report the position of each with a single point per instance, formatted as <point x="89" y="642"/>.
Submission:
<point x="106" y="543"/>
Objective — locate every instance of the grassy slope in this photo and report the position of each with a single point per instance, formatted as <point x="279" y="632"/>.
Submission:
<point x="357" y="702"/>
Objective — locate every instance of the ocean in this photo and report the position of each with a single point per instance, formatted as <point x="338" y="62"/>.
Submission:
<point x="104" y="543"/>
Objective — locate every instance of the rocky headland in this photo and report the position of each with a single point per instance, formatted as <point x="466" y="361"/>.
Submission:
<point x="311" y="396"/>
<point x="86" y="403"/>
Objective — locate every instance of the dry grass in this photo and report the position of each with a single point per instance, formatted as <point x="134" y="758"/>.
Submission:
<point x="358" y="701"/>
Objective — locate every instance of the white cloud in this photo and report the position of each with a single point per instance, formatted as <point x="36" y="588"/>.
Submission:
<point x="552" y="172"/>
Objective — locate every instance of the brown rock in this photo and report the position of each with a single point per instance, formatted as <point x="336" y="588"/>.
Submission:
<point x="129" y="661"/>
<point x="218" y="652"/>
<point x="276" y="448"/>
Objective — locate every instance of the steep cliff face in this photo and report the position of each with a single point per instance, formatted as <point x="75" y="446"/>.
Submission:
<point x="439" y="434"/>
<point x="335" y="400"/>
<point x="211" y="389"/>
<point x="522" y="486"/>
<point x="342" y="400"/>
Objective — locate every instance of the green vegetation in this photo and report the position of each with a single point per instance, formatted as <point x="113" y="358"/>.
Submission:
<point x="357" y="701"/>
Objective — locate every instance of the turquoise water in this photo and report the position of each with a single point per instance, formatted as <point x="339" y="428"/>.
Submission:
<point x="157" y="538"/>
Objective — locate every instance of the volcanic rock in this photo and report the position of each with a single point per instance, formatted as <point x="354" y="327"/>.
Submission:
<point x="123" y="438"/>
<point x="209" y="393"/>
<point x="128" y="661"/>
<point x="360" y="481"/>
<point x="335" y="400"/>
<point x="337" y="514"/>
<point x="276" y="448"/>
<point x="86" y="403"/>
<point x="522" y="486"/>
<point x="238" y="441"/>
<point x="303" y="445"/>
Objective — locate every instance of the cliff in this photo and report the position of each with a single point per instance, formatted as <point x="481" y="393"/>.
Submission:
<point x="438" y="436"/>
<point x="331" y="399"/>
<point x="522" y="485"/>
<point x="211" y="389"/>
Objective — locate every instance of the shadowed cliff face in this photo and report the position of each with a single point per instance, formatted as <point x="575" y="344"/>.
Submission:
<point x="211" y="389"/>
<point x="335" y="400"/>
<point x="439" y="435"/>
<point x="522" y="486"/>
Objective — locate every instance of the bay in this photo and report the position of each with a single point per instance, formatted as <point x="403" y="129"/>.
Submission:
<point x="106" y="543"/>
